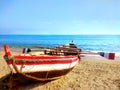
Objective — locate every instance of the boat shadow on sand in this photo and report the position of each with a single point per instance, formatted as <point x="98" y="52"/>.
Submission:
<point x="9" y="82"/>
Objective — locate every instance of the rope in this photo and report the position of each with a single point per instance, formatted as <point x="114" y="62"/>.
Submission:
<point x="32" y="77"/>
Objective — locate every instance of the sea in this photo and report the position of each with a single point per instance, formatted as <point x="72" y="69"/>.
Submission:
<point x="106" y="43"/>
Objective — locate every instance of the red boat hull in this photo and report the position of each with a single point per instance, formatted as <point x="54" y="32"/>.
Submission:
<point x="40" y="68"/>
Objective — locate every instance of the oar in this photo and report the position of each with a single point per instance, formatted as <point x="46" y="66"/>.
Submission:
<point x="64" y="48"/>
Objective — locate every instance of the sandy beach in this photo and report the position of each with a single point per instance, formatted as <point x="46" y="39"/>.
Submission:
<point x="93" y="72"/>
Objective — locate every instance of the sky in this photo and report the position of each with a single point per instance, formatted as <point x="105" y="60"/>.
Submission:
<point x="66" y="17"/>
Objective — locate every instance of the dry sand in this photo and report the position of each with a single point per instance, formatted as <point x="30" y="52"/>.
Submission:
<point x="89" y="74"/>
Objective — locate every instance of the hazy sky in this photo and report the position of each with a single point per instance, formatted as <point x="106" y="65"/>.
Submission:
<point x="59" y="16"/>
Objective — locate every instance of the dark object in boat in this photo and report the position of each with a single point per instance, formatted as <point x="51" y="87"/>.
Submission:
<point x="68" y="49"/>
<point x="72" y="45"/>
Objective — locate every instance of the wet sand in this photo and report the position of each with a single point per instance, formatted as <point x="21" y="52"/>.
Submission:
<point x="91" y="73"/>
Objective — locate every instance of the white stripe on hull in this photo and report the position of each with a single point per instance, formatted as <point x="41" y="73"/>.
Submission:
<point x="44" y="67"/>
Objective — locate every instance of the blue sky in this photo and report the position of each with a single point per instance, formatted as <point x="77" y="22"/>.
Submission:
<point x="59" y="17"/>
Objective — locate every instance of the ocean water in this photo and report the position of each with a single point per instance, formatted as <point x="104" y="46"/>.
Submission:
<point x="108" y="43"/>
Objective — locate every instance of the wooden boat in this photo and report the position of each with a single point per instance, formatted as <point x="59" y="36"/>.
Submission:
<point x="39" y="68"/>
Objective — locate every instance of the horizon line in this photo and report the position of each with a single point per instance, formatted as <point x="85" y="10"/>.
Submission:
<point x="59" y="34"/>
